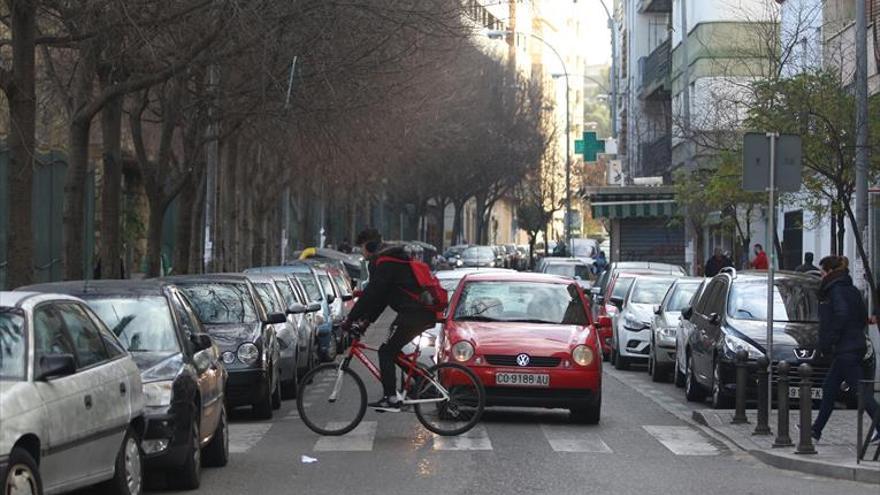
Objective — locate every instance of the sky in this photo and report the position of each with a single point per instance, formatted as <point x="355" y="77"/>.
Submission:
<point x="598" y="34"/>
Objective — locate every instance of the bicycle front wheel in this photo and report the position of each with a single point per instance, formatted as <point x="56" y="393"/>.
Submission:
<point x="331" y="401"/>
<point x="464" y="406"/>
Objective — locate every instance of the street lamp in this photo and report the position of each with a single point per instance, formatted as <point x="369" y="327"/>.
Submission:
<point x="501" y="34"/>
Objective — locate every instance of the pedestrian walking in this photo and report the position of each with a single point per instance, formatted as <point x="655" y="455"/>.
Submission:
<point x="842" y="320"/>
<point x="808" y="265"/>
<point x="760" y="261"/>
<point x="716" y="263"/>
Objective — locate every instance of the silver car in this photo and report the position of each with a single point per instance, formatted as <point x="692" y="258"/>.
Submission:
<point x="72" y="399"/>
<point x="681" y="335"/>
<point x="664" y="326"/>
<point x="630" y="336"/>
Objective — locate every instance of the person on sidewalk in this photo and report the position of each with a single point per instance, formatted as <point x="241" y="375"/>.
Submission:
<point x="842" y="320"/>
<point x="808" y="265"/>
<point x="716" y="263"/>
<point x="760" y="261"/>
<point x="390" y="285"/>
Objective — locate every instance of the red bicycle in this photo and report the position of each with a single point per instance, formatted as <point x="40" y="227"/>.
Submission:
<point x="448" y="398"/>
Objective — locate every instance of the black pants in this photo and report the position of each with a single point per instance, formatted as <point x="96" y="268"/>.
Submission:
<point x="845" y="368"/>
<point x="406" y="327"/>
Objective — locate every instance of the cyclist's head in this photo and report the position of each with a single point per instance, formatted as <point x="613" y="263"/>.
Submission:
<point x="370" y="240"/>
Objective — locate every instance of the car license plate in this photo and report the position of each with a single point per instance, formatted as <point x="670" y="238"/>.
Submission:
<point x="795" y="393"/>
<point x="522" y="379"/>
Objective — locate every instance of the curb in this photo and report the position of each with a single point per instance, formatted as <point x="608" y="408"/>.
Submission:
<point x="801" y="464"/>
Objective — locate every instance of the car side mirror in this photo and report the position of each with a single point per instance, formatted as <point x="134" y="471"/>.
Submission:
<point x="56" y="365"/>
<point x="331" y="298"/>
<point x="276" y="318"/>
<point x="686" y="313"/>
<point x="201" y="341"/>
<point x="313" y="307"/>
<point x="203" y="360"/>
<point x="715" y="319"/>
<point x="347" y="297"/>
<point x="296" y="308"/>
<point x="657" y="309"/>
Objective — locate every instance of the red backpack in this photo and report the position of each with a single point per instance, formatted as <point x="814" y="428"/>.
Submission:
<point x="431" y="295"/>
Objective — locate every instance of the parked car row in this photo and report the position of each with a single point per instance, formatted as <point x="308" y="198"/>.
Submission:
<point x="115" y="381"/>
<point x="508" y="256"/>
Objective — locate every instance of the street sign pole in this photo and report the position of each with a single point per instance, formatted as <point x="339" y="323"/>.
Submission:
<point x="771" y="245"/>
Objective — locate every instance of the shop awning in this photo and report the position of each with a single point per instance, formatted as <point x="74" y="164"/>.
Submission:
<point x="632" y="202"/>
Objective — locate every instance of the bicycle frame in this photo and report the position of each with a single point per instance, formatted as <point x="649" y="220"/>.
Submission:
<point x="405" y="361"/>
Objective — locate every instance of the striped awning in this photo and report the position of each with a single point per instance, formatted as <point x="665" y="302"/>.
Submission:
<point x="632" y="202"/>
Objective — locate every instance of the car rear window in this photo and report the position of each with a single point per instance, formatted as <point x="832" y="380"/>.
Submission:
<point x="13" y="344"/>
<point x="219" y="303"/>
<point x="570" y="270"/>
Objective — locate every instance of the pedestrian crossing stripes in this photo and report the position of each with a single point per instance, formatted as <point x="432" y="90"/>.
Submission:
<point x="682" y="440"/>
<point x="243" y="436"/>
<point x="358" y="440"/>
<point x="564" y="438"/>
<point x="475" y="439"/>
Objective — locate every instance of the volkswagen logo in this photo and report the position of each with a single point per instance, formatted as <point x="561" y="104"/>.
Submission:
<point x="805" y="353"/>
<point x="522" y="359"/>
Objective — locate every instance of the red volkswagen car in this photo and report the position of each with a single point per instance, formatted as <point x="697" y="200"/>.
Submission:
<point x="530" y="340"/>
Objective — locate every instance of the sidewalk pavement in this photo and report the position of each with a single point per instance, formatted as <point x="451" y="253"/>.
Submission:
<point x="836" y="457"/>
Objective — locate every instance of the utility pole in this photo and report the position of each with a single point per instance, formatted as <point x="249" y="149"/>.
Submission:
<point x="612" y="25"/>
<point x="685" y="70"/>
<point x="861" y="82"/>
<point x="211" y="161"/>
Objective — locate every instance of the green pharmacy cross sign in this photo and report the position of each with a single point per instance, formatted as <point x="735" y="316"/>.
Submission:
<point x="590" y="146"/>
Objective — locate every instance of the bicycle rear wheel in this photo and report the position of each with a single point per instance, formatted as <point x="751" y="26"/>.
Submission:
<point x="464" y="408"/>
<point x="325" y="414"/>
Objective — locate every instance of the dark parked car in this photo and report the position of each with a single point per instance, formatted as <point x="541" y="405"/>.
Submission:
<point x="479" y="257"/>
<point x="228" y="307"/>
<point x="183" y="379"/>
<point x="301" y="313"/>
<point x="731" y="315"/>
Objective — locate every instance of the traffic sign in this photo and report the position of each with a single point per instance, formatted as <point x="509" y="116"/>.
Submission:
<point x="756" y="162"/>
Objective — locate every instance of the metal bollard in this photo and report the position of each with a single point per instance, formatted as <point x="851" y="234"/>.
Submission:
<point x="782" y="437"/>
<point x="742" y="376"/>
<point x="805" y="442"/>
<point x="763" y="426"/>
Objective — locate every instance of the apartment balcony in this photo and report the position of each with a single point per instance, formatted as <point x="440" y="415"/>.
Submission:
<point x="655" y="158"/>
<point x="654" y="72"/>
<point x="654" y="6"/>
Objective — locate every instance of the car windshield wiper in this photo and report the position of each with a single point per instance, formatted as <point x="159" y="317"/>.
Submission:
<point x="475" y="318"/>
<point x="533" y="320"/>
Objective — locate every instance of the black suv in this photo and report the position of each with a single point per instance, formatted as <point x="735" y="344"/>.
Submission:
<point x="731" y="315"/>
<point x="183" y="379"/>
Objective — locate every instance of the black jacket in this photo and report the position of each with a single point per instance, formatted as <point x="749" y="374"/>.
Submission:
<point x="842" y="316"/>
<point x="714" y="265"/>
<point x="389" y="283"/>
<point x="807" y="267"/>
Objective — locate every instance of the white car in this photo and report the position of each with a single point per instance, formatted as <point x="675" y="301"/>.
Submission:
<point x="72" y="399"/>
<point x="631" y="327"/>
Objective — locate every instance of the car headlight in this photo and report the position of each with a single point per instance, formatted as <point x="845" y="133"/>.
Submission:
<point x="735" y="344"/>
<point x="582" y="355"/>
<point x="248" y="353"/>
<point x="157" y="394"/>
<point x="463" y="351"/>
<point x="228" y="357"/>
<point x="667" y="332"/>
<point x="632" y="324"/>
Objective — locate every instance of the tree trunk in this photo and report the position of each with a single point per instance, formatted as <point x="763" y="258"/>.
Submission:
<point x="22" y="114"/>
<point x="111" y="238"/>
<point x="841" y="234"/>
<point x="482" y="221"/>
<point x="457" y="226"/>
<point x="154" y="234"/>
<point x="74" y="198"/>
<point x="833" y="234"/>
<point x="184" y="227"/>
<point x="197" y="226"/>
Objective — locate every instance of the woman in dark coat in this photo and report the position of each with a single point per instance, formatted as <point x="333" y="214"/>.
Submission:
<point x="842" y="321"/>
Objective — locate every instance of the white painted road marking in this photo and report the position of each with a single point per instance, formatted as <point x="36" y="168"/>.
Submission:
<point x="359" y="439"/>
<point x="243" y="436"/>
<point x="475" y="439"/>
<point x="565" y="438"/>
<point x="682" y="440"/>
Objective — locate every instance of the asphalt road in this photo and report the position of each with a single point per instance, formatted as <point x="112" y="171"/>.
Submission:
<point x="639" y="447"/>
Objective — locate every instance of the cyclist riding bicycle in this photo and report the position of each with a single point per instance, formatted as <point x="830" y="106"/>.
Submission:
<point x="391" y="284"/>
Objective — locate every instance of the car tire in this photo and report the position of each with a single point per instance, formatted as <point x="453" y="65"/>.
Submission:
<point x="290" y="388"/>
<point x="128" y="477"/>
<point x="22" y="470"/>
<point x="679" y="377"/>
<point x="216" y="453"/>
<point x="659" y="374"/>
<point x="590" y="414"/>
<point x="189" y="476"/>
<point x="720" y="400"/>
<point x="262" y="409"/>
<point x="622" y="362"/>
<point x="693" y="391"/>
<point x="276" y="394"/>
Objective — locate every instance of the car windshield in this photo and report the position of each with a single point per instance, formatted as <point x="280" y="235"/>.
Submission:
<point x="13" y="344"/>
<point x="571" y="270"/>
<point x="219" y="303"/>
<point x="681" y="296"/>
<point x="326" y="283"/>
<point x="268" y="298"/>
<point x="286" y="292"/>
<point x="521" y="302"/>
<point x="650" y="290"/>
<point x="478" y="253"/>
<point x="793" y="301"/>
<point x="311" y="286"/>
<point x="621" y="287"/>
<point x="449" y="284"/>
<point x="143" y="324"/>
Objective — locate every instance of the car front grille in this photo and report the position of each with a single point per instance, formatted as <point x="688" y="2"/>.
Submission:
<point x="820" y="371"/>
<point x="534" y="361"/>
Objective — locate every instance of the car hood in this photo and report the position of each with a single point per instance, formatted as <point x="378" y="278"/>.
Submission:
<point x="158" y="365"/>
<point x="670" y="318"/>
<point x="509" y="338"/>
<point x="785" y="334"/>
<point x="18" y="397"/>
<point x="641" y="312"/>
<point x="229" y="336"/>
